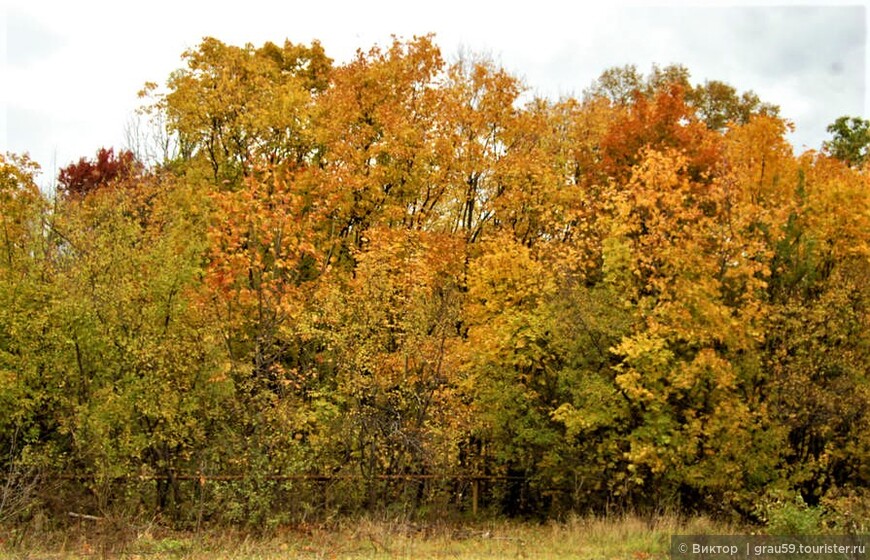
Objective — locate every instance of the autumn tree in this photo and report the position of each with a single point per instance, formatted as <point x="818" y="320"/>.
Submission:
<point x="232" y="107"/>
<point x="680" y="367"/>
<point x="21" y="201"/>
<point x="816" y="346"/>
<point x="23" y="256"/>
<point x="113" y="374"/>
<point x="80" y="179"/>
<point x="265" y="260"/>
<point x="393" y="330"/>
<point x="481" y="105"/>
<point x="662" y="122"/>
<point x="379" y="125"/>
<point x="714" y="102"/>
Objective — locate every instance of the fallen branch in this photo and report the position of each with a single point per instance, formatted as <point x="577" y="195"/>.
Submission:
<point x="84" y="516"/>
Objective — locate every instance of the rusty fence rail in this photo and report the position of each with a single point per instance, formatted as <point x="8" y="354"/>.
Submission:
<point x="203" y="479"/>
<point x="287" y="477"/>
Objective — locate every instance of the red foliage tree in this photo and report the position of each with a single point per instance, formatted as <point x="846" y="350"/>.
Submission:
<point x="79" y="179"/>
<point x="661" y="122"/>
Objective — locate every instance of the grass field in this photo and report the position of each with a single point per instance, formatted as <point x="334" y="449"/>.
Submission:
<point x="629" y="537"/>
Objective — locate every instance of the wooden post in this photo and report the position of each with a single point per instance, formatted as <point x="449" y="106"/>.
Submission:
<point x="475" y="484"/>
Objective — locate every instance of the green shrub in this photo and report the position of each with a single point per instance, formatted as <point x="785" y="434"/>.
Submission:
<point x="785" y="516"/>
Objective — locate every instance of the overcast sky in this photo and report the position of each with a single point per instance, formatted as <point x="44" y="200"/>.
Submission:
<point x="72" y="69"/>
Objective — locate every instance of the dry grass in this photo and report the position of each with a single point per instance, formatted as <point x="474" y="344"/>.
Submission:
<point x="628" y="537"/>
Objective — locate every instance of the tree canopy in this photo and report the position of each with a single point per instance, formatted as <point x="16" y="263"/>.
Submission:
<point x="380" y="282"/>
<point x="851" y="140"/>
